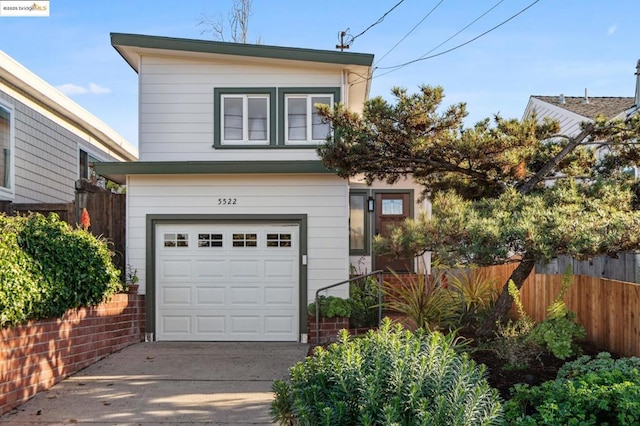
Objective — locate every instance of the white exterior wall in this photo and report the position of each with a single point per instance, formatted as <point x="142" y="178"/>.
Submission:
<point x="176" y="106"/>
<point x="323" y="198"/>
<point x="569" y="121"/>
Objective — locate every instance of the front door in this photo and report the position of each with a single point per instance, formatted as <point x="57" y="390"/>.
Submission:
<point x="391" y="210"/>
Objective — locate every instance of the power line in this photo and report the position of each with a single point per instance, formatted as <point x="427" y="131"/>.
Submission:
<point x="423" y="58"/>
<point x="412" y="30"/>
<point x="375" y="23"/>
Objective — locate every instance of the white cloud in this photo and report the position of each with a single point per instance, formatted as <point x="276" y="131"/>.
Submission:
<point x="73" y="89"/>
<point x="612" y="29"/>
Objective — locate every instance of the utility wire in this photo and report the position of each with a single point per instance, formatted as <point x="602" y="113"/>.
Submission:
<point x="423" y="58"/>
<point x="375" y="23"/>
<point x="412" y="30"/>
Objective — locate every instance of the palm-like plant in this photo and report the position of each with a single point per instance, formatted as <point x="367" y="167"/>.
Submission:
<point x="423" y="300"/>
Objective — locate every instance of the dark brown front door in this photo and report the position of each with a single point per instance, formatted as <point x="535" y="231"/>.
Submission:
<point x="391" y="210"/>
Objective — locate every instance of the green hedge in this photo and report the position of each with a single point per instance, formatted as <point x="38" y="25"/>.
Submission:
<point x="46" y="267"/>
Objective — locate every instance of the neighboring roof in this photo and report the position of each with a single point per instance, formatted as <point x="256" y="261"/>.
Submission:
<point x="123" y="41"/>
<point x="26" y="82"/>
<point x="608" y="106"/>
<point x="117" y="171"/>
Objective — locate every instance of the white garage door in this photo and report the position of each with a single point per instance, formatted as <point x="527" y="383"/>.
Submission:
<point x="229" y="282"/>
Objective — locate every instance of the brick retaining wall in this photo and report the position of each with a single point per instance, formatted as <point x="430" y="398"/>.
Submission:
<point x="39" y="354"/>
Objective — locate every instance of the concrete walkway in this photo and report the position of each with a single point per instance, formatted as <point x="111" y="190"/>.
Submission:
<point x="168" y="383"/>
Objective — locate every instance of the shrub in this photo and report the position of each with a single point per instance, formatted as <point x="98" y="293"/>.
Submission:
<point x="46" y="267"/>
<point x="425" y="301"/>
<point x="559" y="331"/>
<point x="331" y="306"/>
<point x="474" y="294"/>
<point x="513" y="342"/>
<point x="600" y="391"/>
<point x="389" y="376"/>
<point x="363" y="295"/>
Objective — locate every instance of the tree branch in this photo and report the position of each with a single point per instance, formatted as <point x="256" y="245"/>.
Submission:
<point x="527" y="186"/>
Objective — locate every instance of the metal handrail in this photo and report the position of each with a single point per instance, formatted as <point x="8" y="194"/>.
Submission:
<point x="380" y="282"/>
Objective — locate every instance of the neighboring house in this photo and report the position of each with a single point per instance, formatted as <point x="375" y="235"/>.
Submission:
<point x="570" y="111"/>
<point x="233" y="222"/>
<point x="47" y="141"/>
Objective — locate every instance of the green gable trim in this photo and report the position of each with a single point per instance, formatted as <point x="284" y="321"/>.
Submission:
<point x="217" y="119"/>
<point x="240" y="49"/>
<point x="117" y="170"/>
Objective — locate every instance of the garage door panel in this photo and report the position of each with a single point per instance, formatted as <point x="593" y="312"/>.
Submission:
<point x="210" y="268"/>
<point x="176" y="296"/>
<point x="245" y="324"/>
<point x="279" y="296"/>
<point x="278" y="268"/>
<point x="245" y="268"/>
<point x="279" y="324"/>
<point x="211" y="324"/>
<point x="210" y="295"/>
<point x="225" y="282"/>
<point x="176" y="324"/>
<point x="247" y="295"/>
<point x="175" y="269"/>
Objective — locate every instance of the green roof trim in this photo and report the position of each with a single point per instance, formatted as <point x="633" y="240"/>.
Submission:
<point x="116" y="171"/>
<point x="240" y="49"/>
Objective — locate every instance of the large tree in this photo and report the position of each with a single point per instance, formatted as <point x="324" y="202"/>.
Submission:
<point x="502" y="190"/>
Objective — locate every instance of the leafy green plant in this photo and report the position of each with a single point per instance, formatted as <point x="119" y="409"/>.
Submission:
<point x="389" y="376"/>
<point x="425" y="301"/>
<point x="559" y="331"/>
<point x="46" y="267"/>
<point x="331" y="306"/>
<point x="363" y="294"/>
<point x="600" y="391"/>
<point x="513" y="341"/>
<point x="474" y="293"/>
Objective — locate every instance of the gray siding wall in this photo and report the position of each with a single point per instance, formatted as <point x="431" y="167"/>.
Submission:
<point x="46" y="157"/>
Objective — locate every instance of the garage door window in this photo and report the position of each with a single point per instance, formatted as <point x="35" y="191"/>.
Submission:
<point x="209" y="240"/>
<point x="278" y="240"/>
<point x="176" y="240"/>
<point x="245" y="240"/>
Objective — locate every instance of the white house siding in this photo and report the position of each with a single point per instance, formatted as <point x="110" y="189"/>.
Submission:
<point x="569" y="121"/>
<point x="323" y="198"/>
<point x="176" y="105"/>
<point x="46" y="153"/>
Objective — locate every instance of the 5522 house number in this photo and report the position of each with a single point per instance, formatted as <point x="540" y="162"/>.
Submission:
<point x="227" y="201"/>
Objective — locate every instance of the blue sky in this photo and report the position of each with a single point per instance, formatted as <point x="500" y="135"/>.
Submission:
<point x="556" y="46"/>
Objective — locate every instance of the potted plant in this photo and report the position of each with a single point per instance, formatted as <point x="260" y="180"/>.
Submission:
<point x="131" y="279"/>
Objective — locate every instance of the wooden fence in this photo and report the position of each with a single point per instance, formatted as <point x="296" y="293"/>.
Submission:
<point x="107" y="212"/>
<point x="609" y="310"/>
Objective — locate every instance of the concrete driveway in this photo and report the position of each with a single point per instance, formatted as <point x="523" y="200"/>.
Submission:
<point x="168" y="383"/>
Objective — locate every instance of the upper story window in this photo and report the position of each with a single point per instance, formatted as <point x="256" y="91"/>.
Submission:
<point x="245" y="118"/>
<point x="6" y="149"/>
<point x="303" y="124"/>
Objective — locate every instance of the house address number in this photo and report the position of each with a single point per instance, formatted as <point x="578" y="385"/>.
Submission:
<point x="227" y="201"/>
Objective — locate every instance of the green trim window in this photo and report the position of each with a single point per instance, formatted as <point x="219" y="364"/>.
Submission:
<point x="358" y="224"/>
<point x="300" y="123"/>
<point x="244" y="116"/>
<point x="6" y="149"/>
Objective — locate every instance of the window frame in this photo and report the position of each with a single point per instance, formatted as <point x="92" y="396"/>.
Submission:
<point x="9" y="191"/>
<point x="308" y="93"/>
<point x="366" y="226"/>
<point x="218" y="110"/>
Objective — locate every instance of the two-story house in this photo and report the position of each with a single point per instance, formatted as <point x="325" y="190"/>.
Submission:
<point x="233" y="223"/>
<point x="47" y="141"/>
